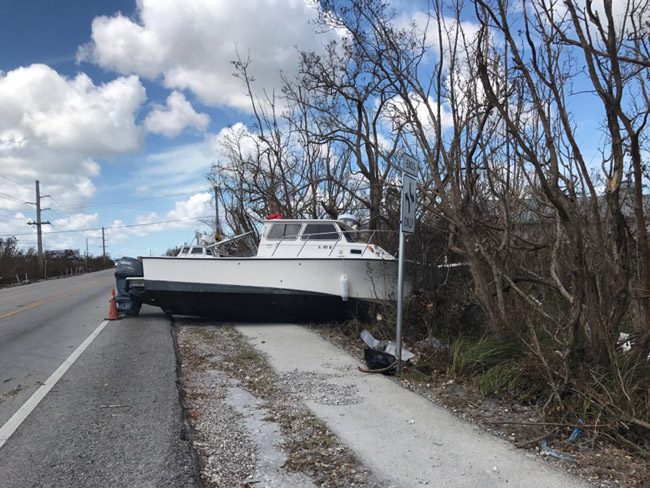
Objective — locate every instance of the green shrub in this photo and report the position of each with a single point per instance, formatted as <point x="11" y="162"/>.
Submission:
<point x="504" y="378"/>
<point x="475" y="357"/>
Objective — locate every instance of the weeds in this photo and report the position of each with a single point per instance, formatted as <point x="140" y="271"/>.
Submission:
<point x="475" y="357"/>
<point x="499" y="379"/>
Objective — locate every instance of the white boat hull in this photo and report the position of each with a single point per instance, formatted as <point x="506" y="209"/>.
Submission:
<point x="268" y="288"/>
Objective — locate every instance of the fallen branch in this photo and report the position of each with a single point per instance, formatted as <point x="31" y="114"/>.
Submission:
<point x="545" y="424"/>
<point x="639" y="422"/>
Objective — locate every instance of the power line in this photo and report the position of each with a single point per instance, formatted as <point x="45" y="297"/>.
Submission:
<point x="112" y="227"/>
<point x="60" y="207"/>
<point x="15" y="182"/>
<point x="13" y="199"/>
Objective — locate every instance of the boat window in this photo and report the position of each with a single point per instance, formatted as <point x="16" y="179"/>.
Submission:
<point x="185" y="250"/>
<point x="320" y="232"/>
<point x="283" y="231"/>
<point x="197" y="250"/>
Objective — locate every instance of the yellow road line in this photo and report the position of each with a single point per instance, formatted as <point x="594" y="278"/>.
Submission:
<point x="38" y="303"/>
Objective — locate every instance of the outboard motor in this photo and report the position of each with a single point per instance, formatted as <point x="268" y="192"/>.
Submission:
<point x="128" y="302"/>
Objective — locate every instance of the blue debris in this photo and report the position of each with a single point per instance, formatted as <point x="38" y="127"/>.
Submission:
<point x="544" y="450"/>
<point x="576" y="433"/>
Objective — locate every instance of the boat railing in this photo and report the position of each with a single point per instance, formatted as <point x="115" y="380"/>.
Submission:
<point x="335" y="244"/>
<point x="281" y="240"/>
<point x="306" y="237"/>
<point x="368" y="243"/>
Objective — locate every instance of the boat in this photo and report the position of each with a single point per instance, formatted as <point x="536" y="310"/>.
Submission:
<point x="195" y="252"/>
<point x="304" y="270"/>
<point x="209" y="247"/>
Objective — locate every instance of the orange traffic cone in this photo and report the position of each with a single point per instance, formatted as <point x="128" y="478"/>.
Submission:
<point x="112" y="307"/>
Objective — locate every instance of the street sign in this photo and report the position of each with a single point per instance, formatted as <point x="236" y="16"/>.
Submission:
<point x="407" y="226"/>
<point x="408" y="203"/>
<point x="409" y="165"/>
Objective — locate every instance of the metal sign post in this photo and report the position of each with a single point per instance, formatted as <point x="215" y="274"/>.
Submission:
<point x="406" y="226"/>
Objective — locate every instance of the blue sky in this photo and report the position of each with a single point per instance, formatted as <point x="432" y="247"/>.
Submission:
<point x="115" y="106"/>
<point x="118" y="106"/>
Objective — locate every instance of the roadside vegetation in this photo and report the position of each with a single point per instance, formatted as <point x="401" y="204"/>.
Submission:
<point x="19" y="266"/>
<point x="531" y="258"/>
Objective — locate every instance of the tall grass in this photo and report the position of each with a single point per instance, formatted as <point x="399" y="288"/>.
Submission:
<point x="491" y="363"/>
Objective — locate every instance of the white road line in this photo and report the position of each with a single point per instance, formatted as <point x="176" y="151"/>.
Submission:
<point x="7" y="430"/>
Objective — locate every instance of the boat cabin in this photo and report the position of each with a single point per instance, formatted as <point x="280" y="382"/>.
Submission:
<point x="196" y="252"/>
<point x="317" y="238"/>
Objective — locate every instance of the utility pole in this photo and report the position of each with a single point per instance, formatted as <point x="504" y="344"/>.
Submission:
<point x="103" y="245"/>
<point x="39" y="233"/>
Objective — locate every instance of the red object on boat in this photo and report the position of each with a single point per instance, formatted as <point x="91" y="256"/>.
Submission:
<point x="274" y="216"/>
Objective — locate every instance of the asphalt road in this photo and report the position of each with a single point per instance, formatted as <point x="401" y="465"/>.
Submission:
<point x="114" y="417"/>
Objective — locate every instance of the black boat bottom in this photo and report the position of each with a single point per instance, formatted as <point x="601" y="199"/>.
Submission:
<point x="250" y="304"/>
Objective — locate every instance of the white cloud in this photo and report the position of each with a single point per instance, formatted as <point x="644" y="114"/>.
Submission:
<point x="78" y="221"/>
<point x="196" y="206"/>
<point x="233" y="143"/>
<point x="39" y="107"/>
<point x="399" y="113"/>
<point x="52" y="128"/>
<point x="185" y="215"/>
<point x="192" y="44"/>
<point x="175" y="117"/>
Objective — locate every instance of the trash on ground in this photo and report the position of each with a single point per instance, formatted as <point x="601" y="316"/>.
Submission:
<point x="626" y="342"/>
<point x="388" y="347"/>
<point x="545" y="450"/>
<point x="576" y="432"/>
<point x="378" y="362"/>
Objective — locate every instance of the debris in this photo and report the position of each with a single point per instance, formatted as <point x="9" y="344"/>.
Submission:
<point x="626" y="342"/>
<point x="545" y="450"/>
<point x="388" y="347"/>
<point x="371" y="342"/>
<point x="576" y="432"/>
<point x="378" y="362"/>
<point x="433" y="343"/>
<point x="407" y="355"/>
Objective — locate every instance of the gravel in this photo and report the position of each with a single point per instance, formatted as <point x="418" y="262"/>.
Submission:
<point x="251" y="427"/>
<point x="318" y="388"/>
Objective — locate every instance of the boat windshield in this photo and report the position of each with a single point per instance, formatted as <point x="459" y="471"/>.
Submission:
<point x="283" y="231"/>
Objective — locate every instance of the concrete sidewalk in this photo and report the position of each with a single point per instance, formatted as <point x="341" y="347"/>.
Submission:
<point x="403" y="438"/>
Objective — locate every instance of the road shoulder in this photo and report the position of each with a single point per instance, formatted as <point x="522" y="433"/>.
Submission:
<point x="357" y="428"/>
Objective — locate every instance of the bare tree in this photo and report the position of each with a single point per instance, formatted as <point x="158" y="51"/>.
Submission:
<point x="487" y="98"/>
<point x="345" y="99"/>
